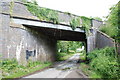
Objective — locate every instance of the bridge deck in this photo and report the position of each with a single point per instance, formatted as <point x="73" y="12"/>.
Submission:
<point x="57" y="31"/>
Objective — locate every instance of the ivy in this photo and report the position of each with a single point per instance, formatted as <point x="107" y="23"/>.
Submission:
<point x="49" y="15"/>
<point x="74" y="23"/>
<point x="86" y="24"/>
<point x="44" y="14"/>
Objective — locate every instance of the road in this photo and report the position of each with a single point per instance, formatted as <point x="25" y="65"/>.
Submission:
<point x="64" y="69"/>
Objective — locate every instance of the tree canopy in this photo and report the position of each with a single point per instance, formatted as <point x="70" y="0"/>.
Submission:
<point x="112" y="27"/>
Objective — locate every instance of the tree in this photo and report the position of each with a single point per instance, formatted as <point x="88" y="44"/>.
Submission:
<point x="112" y="27"/>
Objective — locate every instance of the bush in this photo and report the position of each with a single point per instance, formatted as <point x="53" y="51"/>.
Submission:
<point x="104" y="62"/>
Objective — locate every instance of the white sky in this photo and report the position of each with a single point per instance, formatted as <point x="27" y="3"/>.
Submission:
<point x="94" y="8"/>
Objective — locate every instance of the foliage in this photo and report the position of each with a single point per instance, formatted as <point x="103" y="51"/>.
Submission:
<point x="66" y="46"/>
<point x="86" y="23"/>
<point x="75" y="22"/>
<point x="112" y="27"/>
<point x="43" y="13"/>
<point x="88" y="71"/>
<point x="46" y="14"/>
<point x="11" y="69"/>
<point x="104" y="62"/>
<point x="96" y="18"/>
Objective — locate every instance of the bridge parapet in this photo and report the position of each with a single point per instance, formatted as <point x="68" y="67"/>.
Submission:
<point x="20" y="9"/>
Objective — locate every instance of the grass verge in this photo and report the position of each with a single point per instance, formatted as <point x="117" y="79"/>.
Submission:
<point x="21" y="73"/>
<point x="89" y="72"/>
<point x="11" y="68"/>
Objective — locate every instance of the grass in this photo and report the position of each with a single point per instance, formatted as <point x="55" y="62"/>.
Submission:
<point x="21" y="73"/>
<point x="11" y="69"/>
<point x="102" y="64"/>
<point x="88" y="71"/>
<point x="86" y="68"/>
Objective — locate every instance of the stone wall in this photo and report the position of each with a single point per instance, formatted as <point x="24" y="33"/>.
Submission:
<point x="91" y="39"/>
<point x="23" y="43"/>
<point x="103" y="40"/>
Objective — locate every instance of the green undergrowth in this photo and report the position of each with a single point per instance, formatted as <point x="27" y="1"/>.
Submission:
<point x="88" y="72"/>
<point x="11" y="69"/>
<point x="103" y="63"/>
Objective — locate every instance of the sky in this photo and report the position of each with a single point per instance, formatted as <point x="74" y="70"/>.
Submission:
<point x="88" y="8"/>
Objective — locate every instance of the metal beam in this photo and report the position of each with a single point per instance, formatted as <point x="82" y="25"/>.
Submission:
<point x="44" y="24"/>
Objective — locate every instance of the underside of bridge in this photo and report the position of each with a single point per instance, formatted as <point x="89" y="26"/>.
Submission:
<point x="60" y="34"/>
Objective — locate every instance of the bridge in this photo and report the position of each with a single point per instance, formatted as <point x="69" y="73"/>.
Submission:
<point x="56" y="31"/>
<point x="24" y="36"/>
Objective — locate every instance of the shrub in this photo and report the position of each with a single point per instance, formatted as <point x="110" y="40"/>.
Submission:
<point x="104" y="62"/>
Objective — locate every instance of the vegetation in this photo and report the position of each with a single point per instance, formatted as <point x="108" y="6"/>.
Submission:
<point x="104" y="63"/>
<point x="96" y="18"/>
<point x="112" y="27"/>
<point x="11" y="69"/>
<point x="88" y="71"/>
<point x="75" y="22"/>
<point x="86" y="23"/>
<point x="67" y="48"/>
<point x="11" y="7"/>
<point x="44" y="14"/>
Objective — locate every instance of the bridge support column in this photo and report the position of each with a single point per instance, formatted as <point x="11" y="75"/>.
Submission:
<point x="91" y="41"/>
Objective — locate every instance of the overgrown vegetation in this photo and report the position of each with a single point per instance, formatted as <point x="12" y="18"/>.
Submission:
<point x="43" y="14"/>
<point x="104" y="63"/>
<point x="11" y="69"/>
<point x="112" y="26"/>
<point x="86" y="23"/>
<point x="46" y="14"/>
<point x="96" y="18"/>
<point x="75" y="22"/>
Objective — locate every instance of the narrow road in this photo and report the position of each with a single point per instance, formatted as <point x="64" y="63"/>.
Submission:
<point x="64" y="69"/>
